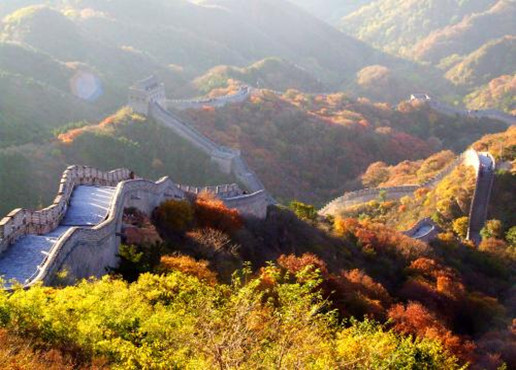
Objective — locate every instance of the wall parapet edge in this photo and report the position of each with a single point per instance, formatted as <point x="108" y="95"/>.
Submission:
<point x="20" y="222"/>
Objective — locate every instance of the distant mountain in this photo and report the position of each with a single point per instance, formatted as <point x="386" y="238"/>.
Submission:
<point x="330" y="11"/>
<point x="491" y="60"/>
<point x="397" y="25"/>
<point x="271" y="73"/>
<point x="499" y="93"/>
<point x="117" y="42"/>
<point x="469" y="34"/>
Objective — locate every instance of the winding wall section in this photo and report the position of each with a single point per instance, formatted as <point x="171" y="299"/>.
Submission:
<point x="484" y="165"/>
<point x="485" y="170"/>
<point x="87" y="250"/>
<point x="395" y="192"/>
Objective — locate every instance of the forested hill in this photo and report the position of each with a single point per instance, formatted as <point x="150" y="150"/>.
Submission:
<point x="320" y="144"/>
<point x="76" y="60"/>
<point x="396" y="25"/>
<point x="471" y="42"/>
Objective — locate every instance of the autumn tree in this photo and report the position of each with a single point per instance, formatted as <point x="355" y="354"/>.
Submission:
<point x="173" y="216"/>
<point x="460" y="226"/>
<point x="492" y="229"/>
<point x="213" y="213"/>
<point x="375" y="174"/>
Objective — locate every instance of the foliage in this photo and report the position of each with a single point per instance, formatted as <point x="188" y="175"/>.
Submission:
<point x="137" y="259"/>
<point x="188" y="266"/>
<point x="396" y="25"/>
<point x="174" y="216"/>
<point x="213" y="213"/>
<point x="176" y="320"/>
<point x="326" y="142"/>
<point x="16" y="353"/>
<point x="498" y="93"/>
<point x="460" y="226"/>
<point x="485" y="64"/>
<point x="492" y="229"/>
<point x="510" y="236"/>
<point x="303" y="211"/>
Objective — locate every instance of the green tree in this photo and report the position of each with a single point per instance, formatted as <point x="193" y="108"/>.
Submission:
<point x="303" y="211"/>
<point x="510" y="236"/>
<point x="492" y="229"/>
<point x="460" y="226"/>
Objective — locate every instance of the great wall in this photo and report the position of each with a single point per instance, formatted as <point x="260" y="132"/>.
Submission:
<point x="81" y="231"/>
<point x="484" y="165"/>
<point x="449" y="110"/>
<point x="395" y="192"/>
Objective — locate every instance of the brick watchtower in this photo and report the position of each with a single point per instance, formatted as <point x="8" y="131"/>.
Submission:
<point x="146" y="92"/>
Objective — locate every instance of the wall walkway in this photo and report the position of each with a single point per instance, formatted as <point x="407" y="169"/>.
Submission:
<point x="80" y="231"/>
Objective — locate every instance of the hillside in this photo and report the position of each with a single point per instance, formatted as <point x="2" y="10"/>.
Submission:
<point x="397" y="25"/>
<point x="270" y="73"/>
<point x="450" y="200"/>
<point x="469" y="34"/>
<point x="330" y="11"/>
<point x="492" y="60"/>
<point x="321" y="143"/>
<point x="499" y="93"/>
<point x="29" y="173"/>
<point x="103" y="47"/>
<point x="191" y="300"/>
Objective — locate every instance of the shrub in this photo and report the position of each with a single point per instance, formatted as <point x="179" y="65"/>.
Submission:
<point x="173" y="216"/>
<point x="188" y="266"/>
<point x="460" y="226"/>
<point x="213" y="213"/>
<point x="492" y="229"/>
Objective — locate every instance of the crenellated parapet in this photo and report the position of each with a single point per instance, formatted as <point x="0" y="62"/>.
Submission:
<point x="87" y="251"/>
<point x="218" y="102"/>
<point x="21" y="222"/>
<point x="394" y="192"/>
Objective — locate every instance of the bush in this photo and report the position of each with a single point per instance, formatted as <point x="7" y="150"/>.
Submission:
<point x="460" y="226"/>
<point x="173" y="216"/>
<point x="213" y="213"/>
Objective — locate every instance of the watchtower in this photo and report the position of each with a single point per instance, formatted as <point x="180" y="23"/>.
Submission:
<point x="145" y="92"/>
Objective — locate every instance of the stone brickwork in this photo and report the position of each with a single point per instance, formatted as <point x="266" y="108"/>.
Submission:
<point x="86" y="252"/>
<point x="394" y="192"/>
<point x="241" y="95"/>
<point x="23" y="221"/>
<point x="472" y="113"/>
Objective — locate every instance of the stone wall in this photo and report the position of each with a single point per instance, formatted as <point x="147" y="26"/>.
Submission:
<point x="218" y="102"/>
<point x="431" y="234"/>
<point x="477" y="113"/>
<point x="395" y="192"/>
<point x="229" y="160"/>
<point x="480" y="202"/>
<point x="21" y="222"/>
<point x="85" y="252"/>
<point x="221" y="191"/>
<point x="251" y="205"/>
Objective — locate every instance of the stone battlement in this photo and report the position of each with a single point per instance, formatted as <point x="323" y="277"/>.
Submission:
<point x="395" y="192"/>
<point x="182" y="104"/>
<point x="86" y="251"/>
<point x="21" y="222"/>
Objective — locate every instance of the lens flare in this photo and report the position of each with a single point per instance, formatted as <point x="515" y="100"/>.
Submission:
<point x="86" y="86"/>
